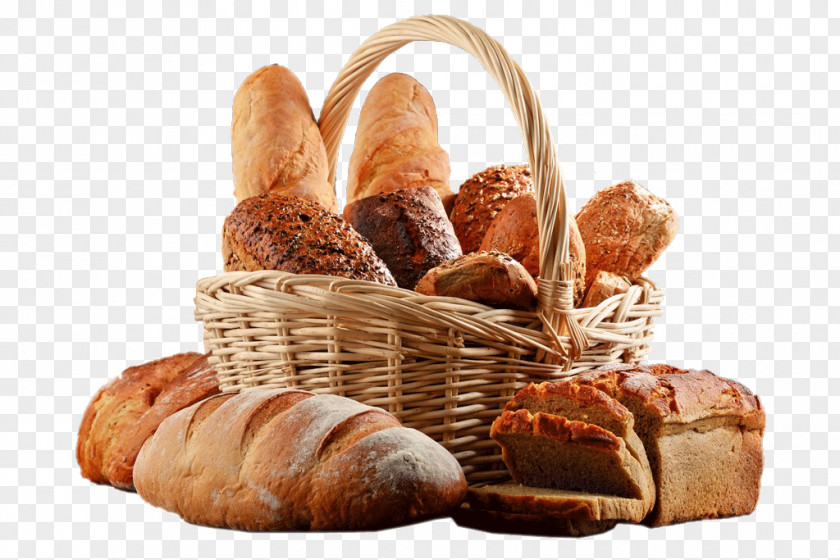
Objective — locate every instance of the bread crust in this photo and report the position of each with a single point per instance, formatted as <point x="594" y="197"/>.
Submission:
<point x="515" y="231"/>
<point x="408" y="229"/>
<point x="287" y="460"/>
<point x="625" y="228"/>
<point x="276" y="232"/>
<point x="492" y="278"/>
<point x="481" y="197"/>
<point x="396" y="142"/>
<point x="129" y="408"/>
<point x="275" y="142"/>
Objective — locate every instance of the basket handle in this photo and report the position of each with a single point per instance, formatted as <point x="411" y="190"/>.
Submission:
<point x="556" y="276"/>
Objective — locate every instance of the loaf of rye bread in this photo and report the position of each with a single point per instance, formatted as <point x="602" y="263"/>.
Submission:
<point x="396" y="142"/>
<point x="275" y="142"/>
<point x="129" y="408"/>
<point x="515" y="231"/>
<point x="625" y="228"/>
<point x="287" y="460"/>
<point x="276" y="232"/>
<point x="408" y="229"/>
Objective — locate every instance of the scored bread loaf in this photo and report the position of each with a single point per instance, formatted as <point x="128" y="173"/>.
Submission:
<point x="625" y="228"/>
<point x="275" y="142"/>
<point x="408" y="229"/>
<point x="482" y="197"/>
<point x="276" y="232"/>
<point x="702" y="434"/>
<point x="129" y="408"/>
<point x="515" y="231"/>
<point x="492" y="278"/>
<point x="396" y="142"/>
<point x="286" y="459"/>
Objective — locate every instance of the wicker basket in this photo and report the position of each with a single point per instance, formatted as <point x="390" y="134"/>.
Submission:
<point x="445" y="366"/>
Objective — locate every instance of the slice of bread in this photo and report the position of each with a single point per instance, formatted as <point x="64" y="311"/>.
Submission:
<point x="526" y="524"/>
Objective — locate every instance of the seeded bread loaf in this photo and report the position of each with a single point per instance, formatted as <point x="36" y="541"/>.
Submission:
<point x="275" y="142"/>
<point x="276" y="232"/>
<point x="286" y="460"/>
<point x="408" y="229"/>
<point x="129" y="408"/>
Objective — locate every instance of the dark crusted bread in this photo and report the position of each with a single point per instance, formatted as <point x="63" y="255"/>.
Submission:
<point x="276" y="232"/>
<point x="484" y="195"/>
<point x="287" y="460"/>
<point x="702" y="434"/>
<point x="408" y="229"/>
<point x="129" y="408"/>
<point x="494" y="279"/>
<point x="537" y="524"/>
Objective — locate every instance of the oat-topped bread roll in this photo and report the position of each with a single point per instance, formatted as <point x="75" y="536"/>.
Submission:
<point x="288" y="460"/>
<point x="494" y="279"/>
<point x="625" y="228"/>
<point x="396" y="142"/>
<point x="515" y="231"/>
<point x="702" y="434"/>
<point x="276" y="232"/>
<point x="408" y="229"/>
<point x="129" y="408"/>
<point x="484" y="195"/>
<point x="275" y="142"/>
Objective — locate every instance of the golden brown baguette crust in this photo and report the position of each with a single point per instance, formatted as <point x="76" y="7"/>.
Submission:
<point x="275" y="142"/>
<point x="286" y="460"/>
<point x="605" y="285"/>
<point x="482" y="197"/>
<point x="396" y="142"/>
<point x="408" y="229"/>
<point x="129" y="408"/>
<point x="493" y="279"/>
<point x="515" y="231"/>
<point x="275" y="232"/>
<point x="625" y="228"/>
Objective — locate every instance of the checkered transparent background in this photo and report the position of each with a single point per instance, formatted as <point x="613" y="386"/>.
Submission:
<point x="115" y="177"/>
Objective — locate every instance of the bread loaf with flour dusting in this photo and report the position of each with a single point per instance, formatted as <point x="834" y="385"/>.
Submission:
<point x="288" y="460"/>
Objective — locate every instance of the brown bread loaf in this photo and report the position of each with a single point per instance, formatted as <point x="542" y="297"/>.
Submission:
<point x="287" y="460"/>
<point x="537" y="524"/>
<point x="275" y="142"/>
<point x="493" y="279"/>
<point x="408" y="229"/>
<point x="396" y="142"/>
<point x="625" y="228"/>
<point x="276" y="232"/>
<point x="129" y="408"/>
<point x="482" y="197"/>
<point x="514" y="231"/>
<point x="604" y="285"/>
<point x="702" y="434"/>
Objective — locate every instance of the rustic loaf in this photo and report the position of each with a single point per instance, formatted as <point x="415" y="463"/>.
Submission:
<point x="482" y="197"/>
<point x="276" y="232"/>
<point x="493" y="278"/>
<point x="625" y="228"/>
<point x="275" y="142"/>
<point x="396" y="142"/>
<point x="408" y="229"/>
<point x="286" y="460"/>
<point x="702" y="434"/>
<point x="515" y="231"/>
<point x="129" y="408"/>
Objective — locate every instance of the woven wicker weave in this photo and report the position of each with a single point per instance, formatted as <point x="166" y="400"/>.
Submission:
<point x="445" y="366"/>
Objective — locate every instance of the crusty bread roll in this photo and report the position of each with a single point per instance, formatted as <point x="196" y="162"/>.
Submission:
<point x="605" y="285"/>
<point x="396" y="142"/>
<point x="515" y="231"/>
<point x="276" y="232"/>
<point x="494" y="279"/>
<point x="275" y="142"/>
<point x="625" y="228"/>
<point x="482" y="197"/>
<point x="129" y="408"/>
<point x="702" y="435"/>
<point x="408" y="229"/>
<point x="286" y="460"/>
